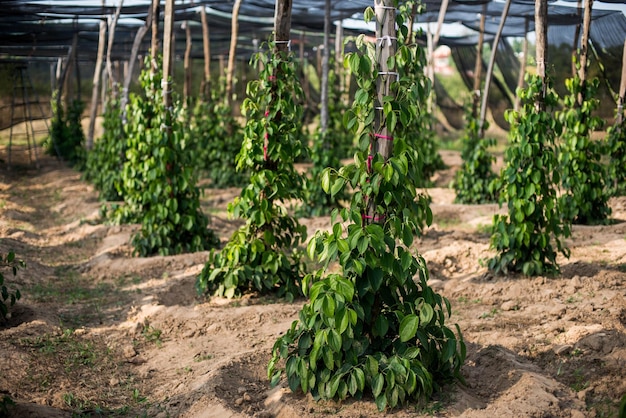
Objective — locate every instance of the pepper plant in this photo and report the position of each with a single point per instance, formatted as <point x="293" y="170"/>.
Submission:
<point x="66" y="138"/>
<point x="372" y="325"/>
<point x="616" y="144"/>
<point x="327" y="151"/>
<point x="9" y="295"/>
<point x="263" y="254"/>
<point x="526" y="237"/>
<point x="584" y="175"/>
<point x="158" y="180"/>
<point x="474" y="183"/>
<point x="104" y="163"/>
<point x="216" y="138"/>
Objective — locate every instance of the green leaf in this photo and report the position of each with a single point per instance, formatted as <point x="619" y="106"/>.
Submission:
<point x="378" y="381"/>
<point x="408" y="327"/>
<point x="381" y="402"/>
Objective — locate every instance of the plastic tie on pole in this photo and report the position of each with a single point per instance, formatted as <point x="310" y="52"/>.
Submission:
<point x="387" y="38"/>
<point x="375" y="218"/>
<point x="370" y="158"/>
<point x="288" y="42"/>
<point x="390" y="73"/>
<point x="385" y="137"/>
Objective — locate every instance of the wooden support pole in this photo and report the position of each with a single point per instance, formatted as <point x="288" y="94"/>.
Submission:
<point x="541" y="34"/>
<point x="206" y="49"/>
<point x="154" y="44"/>
<point x="96" y="82"/>
<point x="478" y="67"/>
<point x="492" y="61"/>
<point x="386" y="43"/>
<point x="325" y="69"/>
<point x="522" y="68"/>
<point x="233" y="51"/>
<point x="622" y="90"/>
<point x="168" y="46"/>
<point x="141" y="33"/>
<point x="112" y="24"/>
<point x="584" y="47"/>
<point x="187" y="66"/>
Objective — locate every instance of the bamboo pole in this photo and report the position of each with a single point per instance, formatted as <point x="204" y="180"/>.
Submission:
<point x="233" y="51"/>
<point x="492" y="61"/>
<point x="96" y="82"/>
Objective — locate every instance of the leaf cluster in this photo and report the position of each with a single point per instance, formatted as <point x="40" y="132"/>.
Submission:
<point x="8" y="295"/>
<point x="216" y="137"/>
<point x="474" y="183"/>
<point x="526" y="237"/>
<point x="105" y="161"/>
<point x="263" y="254"/>
<point x="616" y="149"/>
<point x="158" y="180"/>
<point x="66" y="138"/>
<point x="584" y="175"/>
<point x="371" y="328"/>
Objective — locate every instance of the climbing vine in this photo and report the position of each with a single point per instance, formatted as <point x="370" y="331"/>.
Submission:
<point x="474" y="183"/>
<point x="616" y="144"/>
<point x="526" y="237"/>
<point x="263" y="254"/>
<point x="584" y="175"/>
<point x="66" y="139"/>
<point x="105" y="161"/>
<point x="216" y="137"/>
<point x="374" y="327"/>
<point x="158" y="180"/>
<point x="9" y="294"/>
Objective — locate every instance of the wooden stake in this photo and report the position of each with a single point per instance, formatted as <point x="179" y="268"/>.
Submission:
<point x="168" y="47"/>
<point x="541" y="34"/>
<point x="141" y="33"/>
<point x="478" y="67"/>
<point x="522" y="68"/>
<point x="206" y="48"/>
<point x="233" y="51"/>
<point x="622" y="90"/>
<point x="325" y="69"/>
<point x="96" y="82"/>
<point x="492" y="61"/>
<point x="187" y="66"/>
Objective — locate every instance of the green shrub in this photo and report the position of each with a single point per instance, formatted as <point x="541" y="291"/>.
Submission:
<point x="525" y="238"/>
<point x="371" y="329"/>
<point x="474" y="182"/>
<point x="263" y="255"/>
<point x="584" y="176"/>
<point x="8" y="294"/>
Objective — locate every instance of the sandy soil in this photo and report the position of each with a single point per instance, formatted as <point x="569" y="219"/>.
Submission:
<point x="100" y="333"/>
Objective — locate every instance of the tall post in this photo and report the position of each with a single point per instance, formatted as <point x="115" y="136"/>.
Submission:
<point x="584" y="45"/>
<point x="109" y="66"/>
<point x="325" y="70"/>
<point x="154" y="44"/>
<point x="492" y="61"/>
<point x="206" y="48"/>
<point x="233" y="51"/>
<point x="622" y="90"/>
<point x="541" y="34"/>
<point x="96" y="81"/>
<point x="478" y="67"/>
<point x="187" y="66"/>
<point x="168" y="47"/>
<point x="141" y="32"/>
<point x="386" y="43"/>
<point x="522" y="68"/>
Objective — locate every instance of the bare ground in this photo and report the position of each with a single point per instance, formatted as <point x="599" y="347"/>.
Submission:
<point x="101" y="333"/>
